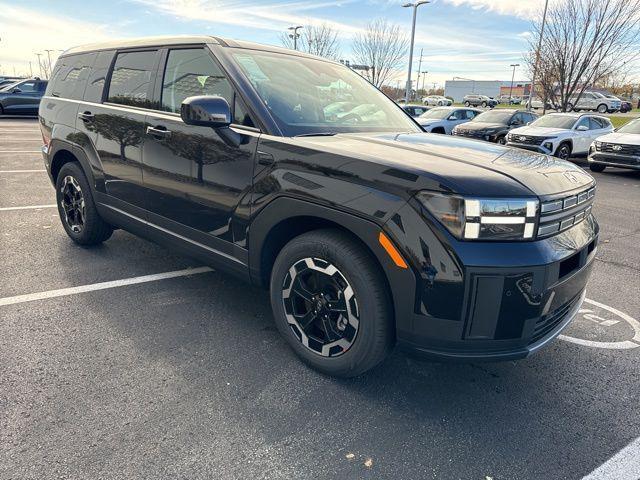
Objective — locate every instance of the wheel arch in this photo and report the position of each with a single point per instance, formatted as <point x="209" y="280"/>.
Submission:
<point x="285" y="218"/>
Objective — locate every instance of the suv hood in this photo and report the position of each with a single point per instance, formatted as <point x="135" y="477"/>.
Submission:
<point x="625" y="138"/>
<point x="539" y="131"/>
<point x="475" y="126"/>
<point x="429" y="121"/>
<point x="417" y="161"/>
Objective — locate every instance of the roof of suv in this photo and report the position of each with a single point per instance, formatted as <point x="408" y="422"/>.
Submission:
<point x="160" y="41"/>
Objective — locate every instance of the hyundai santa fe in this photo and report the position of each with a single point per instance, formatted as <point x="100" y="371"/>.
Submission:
<point x="368" y="232"/>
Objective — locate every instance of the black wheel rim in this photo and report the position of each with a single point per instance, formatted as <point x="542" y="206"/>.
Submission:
<point x="563" y="153"/>
<point x="72" y="203"/>
<point x="502" y="141"/>
<point x="320" y="307"/>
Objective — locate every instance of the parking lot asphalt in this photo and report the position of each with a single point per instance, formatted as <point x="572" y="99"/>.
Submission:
<point x="188" y="378"/>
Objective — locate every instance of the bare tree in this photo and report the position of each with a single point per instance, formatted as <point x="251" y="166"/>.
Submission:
<point x="382" y="46"/>
<point x="584" y="42"/>
<point x="317" y="39"/>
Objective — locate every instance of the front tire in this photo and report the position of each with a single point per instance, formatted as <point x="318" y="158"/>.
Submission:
<point x="563" y="152"/>
<point x="467" y="104"/>
<point x="602" y="108"/>
<point x="484" y="104"/>
<point x="331" y="303"/>
<point x="76" y="207"/>
<point x="597" y="167"/>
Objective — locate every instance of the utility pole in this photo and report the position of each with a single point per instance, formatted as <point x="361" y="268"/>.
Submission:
<point x="419" y="67"/>
<point x="535" y="65"/>
<point x="295" y="35"/>
<point x="415" y="6"/>
<point x="424" y="78"/>
<point x="39" y="63"/>
<point x="513" y="74"/>
<point x="49" y="57"/>
<point x="30" y="69"/>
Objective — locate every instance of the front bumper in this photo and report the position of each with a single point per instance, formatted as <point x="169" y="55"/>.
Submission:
<point x="615" y="160"/>
<point x="494" y="301"/>
<point x="532" y="148"/>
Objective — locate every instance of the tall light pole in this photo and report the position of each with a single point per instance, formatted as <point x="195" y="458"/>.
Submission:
<point x="424" y="78"/>
<point x="49" y="57"/>
<point x="39" y="64"/>
<point x="419" y="67"/>
<point x="513" y="74"/>
<point x="413" y="34"/>
<point x="535" y="64"/>
<point x="295" y="35"/>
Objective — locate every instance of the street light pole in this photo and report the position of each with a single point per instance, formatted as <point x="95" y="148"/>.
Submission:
<point x="39" y="63"/>
<point x="413" y="34"/>
<point x="295" y="35"/>
<point x="49" y="57"/>
<point x="535" y="65"/>
<point x="424" y="78"/>
<point x="513" y="74"/>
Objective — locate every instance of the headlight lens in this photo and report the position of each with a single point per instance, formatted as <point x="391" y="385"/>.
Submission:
<point x="598" y="145"/>
<point x="483" y="218"/>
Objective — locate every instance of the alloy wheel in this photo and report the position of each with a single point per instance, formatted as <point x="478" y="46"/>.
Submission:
<point x="72" y="203"/>
<point x="320" y="307"/>
<point x="563" y="152"/>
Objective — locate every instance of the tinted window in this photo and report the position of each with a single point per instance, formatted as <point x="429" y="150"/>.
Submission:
<point x="240" y="114"/>
<point x="598" y="123"/>
<point x="192" y="72"/>
<point x="97" y="77"/>
<point x="27" y="87"/>
<point x="132" y="79"/>
<point x="69" y="78"/>
<point x="584" y="122"/>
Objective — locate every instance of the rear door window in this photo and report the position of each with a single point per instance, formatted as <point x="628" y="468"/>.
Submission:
<point x="98" y="75"/>
<point x="132" y="78"/>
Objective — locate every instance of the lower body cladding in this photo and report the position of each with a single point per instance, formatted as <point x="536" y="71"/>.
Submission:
<point x="495" y="301"/>
<point x="615" y="160"/>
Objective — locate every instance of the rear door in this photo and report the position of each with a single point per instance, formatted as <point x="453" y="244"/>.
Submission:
<point x="194" y="181"/>
<point x="113" y="119"/>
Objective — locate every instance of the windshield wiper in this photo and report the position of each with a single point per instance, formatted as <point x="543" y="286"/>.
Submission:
<point x="317" y="134"/>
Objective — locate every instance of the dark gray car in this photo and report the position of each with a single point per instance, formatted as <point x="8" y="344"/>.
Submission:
<point x="22" y="98"/>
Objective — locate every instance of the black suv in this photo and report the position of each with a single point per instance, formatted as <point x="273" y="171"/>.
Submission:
<point x="22" y="97"/>
<point x="367" y="231"/>
<point x="493" y="126"/>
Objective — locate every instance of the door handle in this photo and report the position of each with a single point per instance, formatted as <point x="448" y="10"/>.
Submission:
<point x="158" y="132"/>
<point x="86" y="116"/>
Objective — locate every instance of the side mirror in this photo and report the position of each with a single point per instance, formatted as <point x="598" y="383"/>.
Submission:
<point x="206" y="111"/>
<point x="452" y="117"/>
<point x="16" y="90"/>
<point x="582" y="128"/>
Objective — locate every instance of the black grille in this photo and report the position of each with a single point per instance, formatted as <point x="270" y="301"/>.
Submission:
<point x="469" y="133"/>
<point x="548" y="323"/>
<point x="620" y="148"/>
<point x="526" y="139"/>
<point x="561" y="214"/>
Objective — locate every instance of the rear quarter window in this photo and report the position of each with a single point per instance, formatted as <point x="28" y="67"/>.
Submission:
<point x="69" y="78"/>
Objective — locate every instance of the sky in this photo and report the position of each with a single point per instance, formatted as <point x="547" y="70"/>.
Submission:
<point x="476" y="39"/>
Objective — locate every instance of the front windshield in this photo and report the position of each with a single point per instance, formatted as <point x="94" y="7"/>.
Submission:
<point x="437" y="113"/>
<point x="631" y="127"/>
<point x="555" y="121"/>
<point x="309" y="97"/>
<point x="494" y="116"/>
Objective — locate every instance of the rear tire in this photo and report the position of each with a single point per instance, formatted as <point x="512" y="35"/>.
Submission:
<point x="330" y="268"/>
<point x="597" y="167"/>
<point x="76" y="207"/>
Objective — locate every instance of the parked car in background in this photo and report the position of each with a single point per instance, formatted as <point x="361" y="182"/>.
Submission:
<point x="509" y="100"/>
<point x="367" y="232"/>
<point x="617" y="149"/>
<point x="437" y="100"/>
<point x="625" y="106"/>
<point x="560" y="134"/>
<point x="415" y="110"/>
<point x="594" y="101"/>
<point x="473" y="100"/>
<point x="536" y="104"/>
<point x="23" y="97"/>
<point x="493" y="126"/>
<point x="443" y="119"/>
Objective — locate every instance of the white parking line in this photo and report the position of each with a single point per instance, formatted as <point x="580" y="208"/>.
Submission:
<point x="30" y="207"/>
<point x="624" y="465"/>
<point x="22" y="171"/>
<point x="30" y="297"/>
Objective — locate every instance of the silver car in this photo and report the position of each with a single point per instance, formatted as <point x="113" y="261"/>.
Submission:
<point x="443" y="119"/>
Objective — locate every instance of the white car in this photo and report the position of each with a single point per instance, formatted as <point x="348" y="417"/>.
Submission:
<point x="560" y="134"/>
<point x="593" y="101"/>
<point x="437" y="100"/>
<point x="443" y="119"/>
<point x="618" y="149"/>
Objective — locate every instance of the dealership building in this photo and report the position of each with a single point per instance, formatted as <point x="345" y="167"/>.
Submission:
<point x="457" y="89"/>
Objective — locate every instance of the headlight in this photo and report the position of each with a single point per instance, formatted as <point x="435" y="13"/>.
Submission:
<point x="598" y="145"/>
<point x="483" y="218"/>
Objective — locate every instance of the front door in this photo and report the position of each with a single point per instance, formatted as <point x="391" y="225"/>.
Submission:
<point x="193" y="179"/>
<point x="25" y="98"/>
